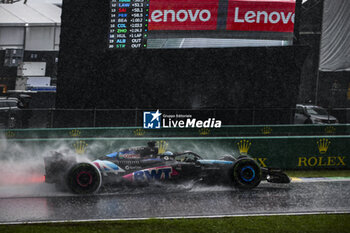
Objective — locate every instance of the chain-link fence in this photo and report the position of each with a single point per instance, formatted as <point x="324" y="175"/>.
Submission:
<point x="65" y="118"/>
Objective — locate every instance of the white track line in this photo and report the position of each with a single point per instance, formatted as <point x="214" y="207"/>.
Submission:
<point x="318" y="179"/>
<point x="178" y="217"/>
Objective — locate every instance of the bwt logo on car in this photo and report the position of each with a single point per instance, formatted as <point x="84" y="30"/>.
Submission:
<point x="151" y="174"/>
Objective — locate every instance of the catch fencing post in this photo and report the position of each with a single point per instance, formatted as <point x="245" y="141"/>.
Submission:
<point x="94" y="123"/>
<point x="51" y="117"/>
<point x="253" y="120"/>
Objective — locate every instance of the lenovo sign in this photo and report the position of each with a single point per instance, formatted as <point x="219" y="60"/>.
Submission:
<point x="183" y="15"/>
<point x="242" y="15"/>
<point x="261" y="15"/>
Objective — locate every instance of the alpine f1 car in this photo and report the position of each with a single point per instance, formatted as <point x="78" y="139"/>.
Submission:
<point x="142" y="165"/>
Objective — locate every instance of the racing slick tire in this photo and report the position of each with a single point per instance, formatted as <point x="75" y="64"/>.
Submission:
<point x="84" y="178"/>
<point x="246" y="173"/>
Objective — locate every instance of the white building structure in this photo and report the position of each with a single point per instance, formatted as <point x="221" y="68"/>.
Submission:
<point x="29" y="33"/>
<point x="34" y="26"/>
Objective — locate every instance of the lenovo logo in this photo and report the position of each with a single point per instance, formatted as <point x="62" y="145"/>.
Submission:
<point x="261" y="16"/>
<point x="180" y="15"/>
<point x="242" y="15"/>
<point x="183" y="15"/>
<point x="264" y="17"/>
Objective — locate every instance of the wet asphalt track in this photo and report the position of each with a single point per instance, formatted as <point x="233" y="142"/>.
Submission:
<point x="41" y="202"/>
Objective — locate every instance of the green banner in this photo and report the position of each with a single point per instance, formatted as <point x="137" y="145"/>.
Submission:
<point x="287" y="152"/>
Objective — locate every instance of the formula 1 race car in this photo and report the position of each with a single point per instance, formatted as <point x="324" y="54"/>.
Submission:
<point x="142" y="165"/>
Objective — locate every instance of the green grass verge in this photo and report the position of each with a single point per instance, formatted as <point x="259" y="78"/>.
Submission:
<point x="339" y="223"/>
<point x="319" y="173"/>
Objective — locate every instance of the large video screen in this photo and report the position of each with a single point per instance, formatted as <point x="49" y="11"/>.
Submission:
<point x="144" y="24"/>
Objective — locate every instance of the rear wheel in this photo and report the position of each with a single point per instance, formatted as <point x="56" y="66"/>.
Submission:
<point x="246" y="173"/>
<point x="84" y="178"/>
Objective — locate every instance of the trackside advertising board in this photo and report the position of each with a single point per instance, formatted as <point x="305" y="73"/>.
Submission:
<point x="292" y="152"/>
<point x="242" y="15"/>
<point x="134" y="22"/>
<point x="261" y="15"/>
<point x="183" y="15"/>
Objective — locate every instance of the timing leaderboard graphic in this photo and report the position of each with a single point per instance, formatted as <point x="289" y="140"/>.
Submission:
<point x="129" y="23"/>
<point x="200" y="23"/>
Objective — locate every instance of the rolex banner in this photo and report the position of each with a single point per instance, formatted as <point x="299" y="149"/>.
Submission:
<point x="335" y="38"/>
<point x="302" y="153"/>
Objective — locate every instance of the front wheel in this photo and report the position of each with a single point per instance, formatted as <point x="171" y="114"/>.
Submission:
<point x="84" y="178"/>
<point x="246" y="173"/>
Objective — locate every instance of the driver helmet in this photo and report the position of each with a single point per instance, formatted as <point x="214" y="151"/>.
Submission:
<point x="168" y="153"/>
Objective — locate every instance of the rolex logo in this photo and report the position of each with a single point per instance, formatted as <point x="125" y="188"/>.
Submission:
<point x="244" y="146"/>
<point x="139" y="132"/>
<point x="75" y="133"/>
<point x="323" y="145"/>
<point x="80" y="147"/>
<point x="266" y="130"/>
<point x="10" y="134"/>
<point x="162" y="146"/>
<point x="204" y="131"/>
<point x="329" y="130"/>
